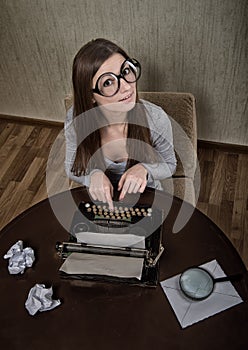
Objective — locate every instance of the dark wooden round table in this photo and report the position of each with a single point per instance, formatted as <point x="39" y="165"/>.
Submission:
<point x="115" y="316"/>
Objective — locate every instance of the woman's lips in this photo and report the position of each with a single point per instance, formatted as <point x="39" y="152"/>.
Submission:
<point x="126" y="98"/>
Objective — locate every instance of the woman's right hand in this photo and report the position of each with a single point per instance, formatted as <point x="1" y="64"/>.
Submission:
<point x="101" y="188"/>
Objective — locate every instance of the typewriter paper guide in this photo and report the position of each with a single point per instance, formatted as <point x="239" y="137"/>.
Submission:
<point x="119" y="266"/>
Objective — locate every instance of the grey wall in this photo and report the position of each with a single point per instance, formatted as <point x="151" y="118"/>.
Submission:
<point x="199" y="46"/>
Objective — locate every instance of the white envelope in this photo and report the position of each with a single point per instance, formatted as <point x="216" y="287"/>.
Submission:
<point x="189" y="311"/>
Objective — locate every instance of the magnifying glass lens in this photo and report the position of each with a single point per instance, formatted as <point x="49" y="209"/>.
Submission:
<point x="196" y="283"/>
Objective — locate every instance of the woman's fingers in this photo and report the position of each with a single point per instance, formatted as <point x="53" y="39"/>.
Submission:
<point x="132" y="186"/>
<point x="142" y="187"/>
<point x="101" y="189"/>
<point x="108" y="197"/>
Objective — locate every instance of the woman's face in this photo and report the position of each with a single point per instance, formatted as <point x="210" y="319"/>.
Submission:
<point x="125" y="98"/>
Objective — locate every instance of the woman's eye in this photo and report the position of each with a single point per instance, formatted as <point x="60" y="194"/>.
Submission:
<point x="108" y="82"/>
<point x="126" y="71"/>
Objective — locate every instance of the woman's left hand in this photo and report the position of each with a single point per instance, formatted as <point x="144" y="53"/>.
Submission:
<point x="133" y="180"/>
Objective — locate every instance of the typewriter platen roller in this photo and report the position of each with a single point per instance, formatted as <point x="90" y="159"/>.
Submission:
<point x="94" y="221"/>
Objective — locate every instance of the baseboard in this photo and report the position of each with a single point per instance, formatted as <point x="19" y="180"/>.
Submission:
<point x="31" y="121"/>
<point x="228" y="147"/>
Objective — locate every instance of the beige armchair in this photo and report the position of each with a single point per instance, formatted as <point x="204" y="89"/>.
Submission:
<point x="181" y="109"/>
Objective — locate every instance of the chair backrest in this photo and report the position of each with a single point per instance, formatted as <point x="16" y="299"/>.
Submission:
<point x="181" y="109"/>
<point x="68" y="101"/>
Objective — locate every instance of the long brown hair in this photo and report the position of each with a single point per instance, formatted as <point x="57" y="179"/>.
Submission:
<point x="85" y="65"/>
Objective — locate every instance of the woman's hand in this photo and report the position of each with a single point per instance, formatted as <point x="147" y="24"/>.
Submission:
<point x="133" y="180"/>
<point x="101" y="188"/>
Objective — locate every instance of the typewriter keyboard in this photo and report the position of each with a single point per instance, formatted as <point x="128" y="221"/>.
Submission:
<point x="127" y="214"/>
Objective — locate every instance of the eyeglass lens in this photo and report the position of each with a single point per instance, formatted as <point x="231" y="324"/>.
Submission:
<point x="108" y="84"/>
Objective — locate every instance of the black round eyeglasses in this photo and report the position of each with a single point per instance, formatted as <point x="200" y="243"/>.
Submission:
<point x="108" y="84"/>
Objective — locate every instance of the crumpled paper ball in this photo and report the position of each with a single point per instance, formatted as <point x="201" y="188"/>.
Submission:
<point x="40" y="299"/>
<point x="19" y="258"/>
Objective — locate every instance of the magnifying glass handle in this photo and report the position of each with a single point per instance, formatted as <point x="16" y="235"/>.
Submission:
<point x="233" y="278"/>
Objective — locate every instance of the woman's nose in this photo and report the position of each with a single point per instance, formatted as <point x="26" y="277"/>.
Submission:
<point x="124" y="85"/>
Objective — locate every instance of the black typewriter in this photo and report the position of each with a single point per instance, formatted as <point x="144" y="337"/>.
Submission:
<point x="140" y="223"/>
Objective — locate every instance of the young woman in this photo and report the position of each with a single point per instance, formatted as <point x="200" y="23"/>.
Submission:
<point x="113" y="139"/>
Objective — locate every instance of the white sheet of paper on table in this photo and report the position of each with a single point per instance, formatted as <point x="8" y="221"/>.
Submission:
<point x="188" y="311"/>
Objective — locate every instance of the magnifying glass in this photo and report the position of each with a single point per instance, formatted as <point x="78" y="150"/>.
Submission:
<point x="197" y="283"/>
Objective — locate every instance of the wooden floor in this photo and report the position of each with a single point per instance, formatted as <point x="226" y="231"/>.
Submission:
<point x="24" y="150"/>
